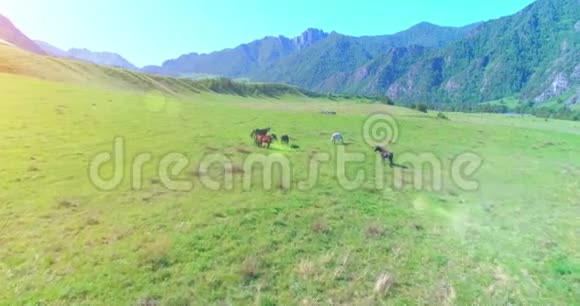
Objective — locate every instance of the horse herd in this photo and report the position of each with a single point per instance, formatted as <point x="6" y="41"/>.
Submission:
<point x="263" y="137"/>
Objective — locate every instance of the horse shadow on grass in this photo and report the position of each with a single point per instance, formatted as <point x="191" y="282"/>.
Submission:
<point x="284" y="148"/>
<point x="395" y="165"/>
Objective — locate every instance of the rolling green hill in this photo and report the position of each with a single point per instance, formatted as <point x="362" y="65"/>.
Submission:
<point x="17" y="61"/>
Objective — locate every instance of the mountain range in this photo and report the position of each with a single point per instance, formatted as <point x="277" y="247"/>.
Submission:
<point x="99" y="58"/>
<point x="10" y="34"/>
<point x="533" y="55"/>
<point x="309" y="59"/>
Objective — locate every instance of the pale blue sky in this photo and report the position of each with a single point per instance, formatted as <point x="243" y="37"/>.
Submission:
<point x="147" y="32"/>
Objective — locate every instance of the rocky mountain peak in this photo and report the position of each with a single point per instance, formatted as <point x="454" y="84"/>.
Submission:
<point x="309" y="37"/>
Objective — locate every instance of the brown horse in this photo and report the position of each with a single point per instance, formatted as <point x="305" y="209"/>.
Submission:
<point x="265" y="139"/>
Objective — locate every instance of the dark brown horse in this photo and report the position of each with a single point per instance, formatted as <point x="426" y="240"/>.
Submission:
<point x="385" y="155"/>
<point x="259" y="132"/>
<point x="265" y="139"/>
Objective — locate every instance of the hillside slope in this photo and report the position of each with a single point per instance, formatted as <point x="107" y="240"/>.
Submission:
<point x="333" y="64"/>
<point x="11" y="34"/>
<point x="17" y="61"/>
<point x="534" y="53"/>
<point x="374" y="76"/>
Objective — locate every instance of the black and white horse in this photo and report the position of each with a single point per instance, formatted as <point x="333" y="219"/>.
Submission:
<point x="385" y="155"/>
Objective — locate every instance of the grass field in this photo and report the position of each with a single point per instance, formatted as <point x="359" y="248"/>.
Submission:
<point x="514" y="240"/>
<point x="553" y="103"/>
<point x="510" y="102"/>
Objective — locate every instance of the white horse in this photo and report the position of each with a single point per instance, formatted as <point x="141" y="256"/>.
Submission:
<point x="337" y="137"/>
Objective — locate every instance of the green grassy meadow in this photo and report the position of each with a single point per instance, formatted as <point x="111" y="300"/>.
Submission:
<point x="63" y="241"/>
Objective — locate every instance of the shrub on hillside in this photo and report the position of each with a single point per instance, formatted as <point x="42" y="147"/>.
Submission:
<point x="422" y="107"/>
<point x="388" y="101"/>
<point x="442" y="116"/>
